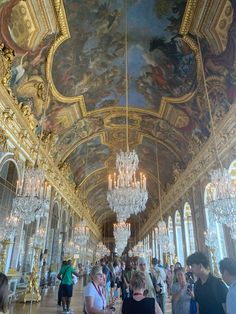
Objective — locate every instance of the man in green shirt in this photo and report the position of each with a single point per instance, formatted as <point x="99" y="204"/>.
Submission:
<point x="65" y="275"/>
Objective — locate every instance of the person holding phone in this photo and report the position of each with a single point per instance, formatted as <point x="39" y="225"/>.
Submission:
<point x="181" y="293"/>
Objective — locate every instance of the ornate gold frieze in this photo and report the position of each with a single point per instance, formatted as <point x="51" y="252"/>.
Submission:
<point x="204" y="161"/>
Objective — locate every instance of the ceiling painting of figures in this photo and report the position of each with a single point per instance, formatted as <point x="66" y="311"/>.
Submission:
<point x="159" y="62"/>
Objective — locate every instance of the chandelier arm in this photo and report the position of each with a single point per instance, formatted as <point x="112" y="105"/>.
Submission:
<point x="209" y="106"/>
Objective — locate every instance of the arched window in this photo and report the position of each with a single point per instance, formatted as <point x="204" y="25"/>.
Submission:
<point x="179" y="238"/>
<point x="154" y="253"/>
<point x="156" y="243"/>
<point x="170" y="230"/>
<point x="70" y="228"/>
<point x="8" y="179"/>
<point x="189" y="234"/>
<point x="212" y="225"/>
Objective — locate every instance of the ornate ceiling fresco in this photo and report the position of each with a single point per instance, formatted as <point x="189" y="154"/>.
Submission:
<point x="70" y="70"/>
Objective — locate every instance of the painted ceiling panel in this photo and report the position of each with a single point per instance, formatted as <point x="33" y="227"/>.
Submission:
<point x="159" y="62"/>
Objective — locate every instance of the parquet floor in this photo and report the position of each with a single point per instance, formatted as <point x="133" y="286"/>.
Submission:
<point x="49" y="305"/>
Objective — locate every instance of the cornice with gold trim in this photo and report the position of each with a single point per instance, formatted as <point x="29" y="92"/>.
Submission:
<point x="204" y="161"/>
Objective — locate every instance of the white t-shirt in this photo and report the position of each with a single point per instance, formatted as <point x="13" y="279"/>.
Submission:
<point x="99" y="302"/>
<point x="231" y="299"/>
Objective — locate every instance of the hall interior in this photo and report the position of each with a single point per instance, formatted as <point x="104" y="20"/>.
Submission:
<point x="117" y="135"/>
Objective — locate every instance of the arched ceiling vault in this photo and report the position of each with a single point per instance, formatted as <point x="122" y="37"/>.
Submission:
<point x="82" y="49"/>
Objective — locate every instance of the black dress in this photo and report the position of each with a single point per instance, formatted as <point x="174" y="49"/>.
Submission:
<point x="145" y="306"/>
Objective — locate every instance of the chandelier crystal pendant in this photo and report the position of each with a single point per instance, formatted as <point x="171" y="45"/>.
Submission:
<point x="121" y="234"/>
<point x="32" y="196"/>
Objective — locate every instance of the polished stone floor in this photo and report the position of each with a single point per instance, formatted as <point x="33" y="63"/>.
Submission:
<point x="49" y="305"/>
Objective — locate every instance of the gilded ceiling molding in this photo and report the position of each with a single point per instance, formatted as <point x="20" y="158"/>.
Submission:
<point x="65" y="34"/>
<point x="19" y="128"/>
<point x="188" y="16"/>
<point x="121" y="110"/>
<point x="204" y="161"/>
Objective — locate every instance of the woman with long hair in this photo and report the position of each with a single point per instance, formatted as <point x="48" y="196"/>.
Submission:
<point x="3" y="293"/>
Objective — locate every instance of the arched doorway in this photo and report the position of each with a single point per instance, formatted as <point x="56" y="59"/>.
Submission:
<point x="179" y="237"/>
<point x="188" y="226"/>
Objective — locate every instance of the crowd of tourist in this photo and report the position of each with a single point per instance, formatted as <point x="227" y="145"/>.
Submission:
<point x="142" y="288"/>
<point x="145" y="288"/>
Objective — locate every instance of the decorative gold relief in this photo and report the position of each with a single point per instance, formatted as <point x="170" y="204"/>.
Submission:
<point x="6" y="58"/>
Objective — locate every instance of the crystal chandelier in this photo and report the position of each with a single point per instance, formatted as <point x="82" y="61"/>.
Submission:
<point x="102" y="250"/>
<point x="127" y="195"/>
<point x="139" y="251"/>
<point x="81" y="233"/>
<point x="222" y="197"/>
<point x="121" y="235"/>
<point x="8" y="228"/>
<point x="32" y="196"/>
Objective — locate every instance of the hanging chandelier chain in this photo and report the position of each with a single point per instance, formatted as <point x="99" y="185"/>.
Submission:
<point x="126" y="77"/>
<point x="209" y="105"/>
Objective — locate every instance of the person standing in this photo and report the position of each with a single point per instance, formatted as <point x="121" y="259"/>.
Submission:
<point x="181" y="297"/>
<point x="138" y="303"/>
<point x="3" y="293"/>
<point x="65" y="274"/>
<point x="228" y="271"/>
<point x="94" y="299"/>
<point x="149" y="284"/>
<point x="59" y="295"/>
<point x="107" y="273"/>
<point x="160" y="278"/>
<point x="210" y="292"/>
